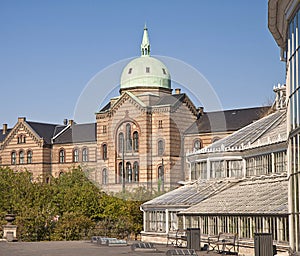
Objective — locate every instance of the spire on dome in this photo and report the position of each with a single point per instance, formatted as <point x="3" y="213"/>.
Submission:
<point x="145" y="46"/>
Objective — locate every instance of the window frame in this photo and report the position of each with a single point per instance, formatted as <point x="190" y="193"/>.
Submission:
<point x="85" y="154"/>
<point x="62" y="156"/>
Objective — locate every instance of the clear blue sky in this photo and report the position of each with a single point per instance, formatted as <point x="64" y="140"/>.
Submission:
<point x="51" y="49"/>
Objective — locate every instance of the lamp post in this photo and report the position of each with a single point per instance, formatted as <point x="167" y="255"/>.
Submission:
<point x="123" y="167"/>
<point x="163" y="173"/>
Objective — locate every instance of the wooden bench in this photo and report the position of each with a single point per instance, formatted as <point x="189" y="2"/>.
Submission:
<point x="177" y="238"/>
<point x="224" y="242"/>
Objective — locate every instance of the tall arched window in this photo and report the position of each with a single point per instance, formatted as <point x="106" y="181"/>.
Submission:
<point x="29" y="157"/>
<point x="13" y="157"/>
<point x="136" y="171"/>
<point x="104" y="176"/>
<point x="160" y="147"/>
<point x="128" y="138"/>
<point x="62" y="156"/>
<point x="121" y="142"/>
<point x="85" y="157"/>
<point x="128" y="172"/>
<point x="75" y="155"/>
<point x="104" y="151"/>
<point x="135" y="141"/>
<point x="21" y="157"/>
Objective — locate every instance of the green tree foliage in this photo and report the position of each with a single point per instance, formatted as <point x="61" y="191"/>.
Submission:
<point x="68" y="208"/>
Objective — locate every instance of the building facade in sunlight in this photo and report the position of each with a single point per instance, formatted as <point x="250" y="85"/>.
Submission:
<point x="139" y="138"/>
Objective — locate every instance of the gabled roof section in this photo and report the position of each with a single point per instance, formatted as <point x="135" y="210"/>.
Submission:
<point x="251" y="196"/>
<point x="106" y="107"/>
<point x="120" y="100"/>
<point x="268" y="130"/>
<point x="77" y="133"/>
<point x="44" y="130"/>
<point x="171" y="99"/>
<point x="190" y="194"/>
<point x="235" y="119"/>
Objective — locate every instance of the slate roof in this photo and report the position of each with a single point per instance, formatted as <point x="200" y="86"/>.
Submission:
<point x="190" y="194"/>
<point x="170" y="99"/>
<point x="3" y="136"/>
<point x="77" y="133"/>
<point x="44" y="130"/>
<point x="165" y="100"/>
<point x="106" y="107"/>
<point x="263" y="195"/>
<point x="234" y="120"/>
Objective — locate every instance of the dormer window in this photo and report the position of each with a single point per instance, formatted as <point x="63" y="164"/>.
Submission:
<point x="164" y="71"/>
<point x="129" y="71"/>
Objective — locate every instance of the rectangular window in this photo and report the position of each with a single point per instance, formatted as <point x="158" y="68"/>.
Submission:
<point x="147" y="70"/>
<point x="104" y="129"/>
<point x="159" y="124"/>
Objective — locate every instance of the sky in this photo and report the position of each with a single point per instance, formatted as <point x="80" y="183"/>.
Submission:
<point x="50" y="50"/>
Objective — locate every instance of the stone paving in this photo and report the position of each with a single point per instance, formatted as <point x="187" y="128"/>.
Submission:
<point x="75" y="248"/>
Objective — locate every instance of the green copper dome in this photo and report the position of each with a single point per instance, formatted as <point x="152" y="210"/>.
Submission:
<point x="145" y="71"/>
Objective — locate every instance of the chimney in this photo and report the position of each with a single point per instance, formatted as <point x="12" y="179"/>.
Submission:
<point x="200" y="112"/>
<point x="177" y="91"/>
<point x="71" y="122"/>
<point x="21" y="119"/>
<point x="4" y="130"/>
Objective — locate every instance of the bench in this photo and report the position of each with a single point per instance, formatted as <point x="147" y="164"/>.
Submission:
<point x="224" y="242"/>
<point x="181" y="252"/>
<point x="104" y="240"/>
<point x="177" y="238"/>
<point x="116" y="242"/>
<point x="143" y="247"/>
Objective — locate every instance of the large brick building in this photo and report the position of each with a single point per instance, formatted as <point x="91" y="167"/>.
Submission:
<point x="139" y="138"/>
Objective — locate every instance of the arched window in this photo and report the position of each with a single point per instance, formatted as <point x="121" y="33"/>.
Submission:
<point x="160" y="147"/>
<point x="121" y="142"/>
<point x="128" y="138"/>
<point x="47" y="180"/>
<point x="214" y="139"/>
<point x="13" y="157"/>
<point x="29" y="157"/>
<point x="61" y="173"/>
<point x="85" y="157"/>
<point x="136" y="171"/>
<point x="104" y="151"/>
<point x="75" y="155"/>
<point x="128" y="172"/>
<point x="136" y="141"/>
<point x="62" y="156"/>
<point x="197" y="144"/>
<point x="104" y="176"/>
<point x="21" y="157"/>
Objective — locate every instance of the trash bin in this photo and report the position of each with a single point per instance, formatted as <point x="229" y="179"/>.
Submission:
<point x="263" y="244"/>
<point x="193" y="238"/>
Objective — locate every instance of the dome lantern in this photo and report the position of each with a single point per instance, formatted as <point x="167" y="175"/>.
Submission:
<point x="145" y="71"/>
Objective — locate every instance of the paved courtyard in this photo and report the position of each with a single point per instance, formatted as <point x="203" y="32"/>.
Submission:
<point x="73" y="248"/>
